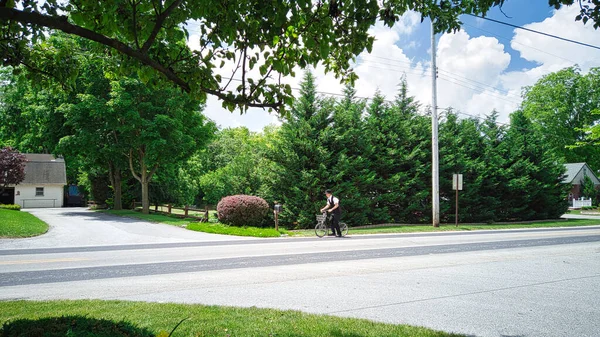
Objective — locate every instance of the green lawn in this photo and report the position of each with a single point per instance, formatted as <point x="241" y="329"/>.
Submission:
<point x="218" y="228"/>
<point x="108" y="318"/>
<point x="448" y="228"/>
<point x="17" y="224"/>
<point x="191" y="224"/>
<point x="593" y="212"/>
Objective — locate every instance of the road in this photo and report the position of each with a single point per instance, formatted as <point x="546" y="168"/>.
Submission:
<point x="535" y="282"/>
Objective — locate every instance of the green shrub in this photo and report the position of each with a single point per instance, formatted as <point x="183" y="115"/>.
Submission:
<point x="11" y="207"/>
<point x="242" y="210"/>
<point x="587" y="208"/>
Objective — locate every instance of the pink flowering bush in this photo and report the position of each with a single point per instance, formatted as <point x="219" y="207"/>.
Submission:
<point x="242" y="210"/>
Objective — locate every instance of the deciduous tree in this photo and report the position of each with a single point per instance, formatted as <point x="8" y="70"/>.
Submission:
<point x="562" y="105"/>
<point x="160" y="127"/>
<point x="271" y="37"/>
<point x="12" y="167"/>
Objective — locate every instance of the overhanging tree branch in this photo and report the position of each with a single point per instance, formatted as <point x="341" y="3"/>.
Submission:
<point x="160" y="19"/>
<point x="62" y="24"/>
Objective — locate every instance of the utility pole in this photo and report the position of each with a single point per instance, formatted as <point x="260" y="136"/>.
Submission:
<point x="435" y="169"/>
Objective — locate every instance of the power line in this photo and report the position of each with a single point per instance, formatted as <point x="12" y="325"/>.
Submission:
<point x="550" y="135"/>
<point x="536" y="31"/>
<point x="317" y="91"/>
<point x="408" y="69"/>
<point x="478" y="84"/>
<point x="474" y="87"/>
<point x="454" y="75"/>
<point x="478" y="90"/>
<point x="455" y="111"/>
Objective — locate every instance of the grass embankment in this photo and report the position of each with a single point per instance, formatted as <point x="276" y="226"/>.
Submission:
<point x="17" y="224"/>
<point x="109" y="318"/>
<point x="218" y="228"/>
<point x="452" y="228"/>
<point x="194" y="225"/>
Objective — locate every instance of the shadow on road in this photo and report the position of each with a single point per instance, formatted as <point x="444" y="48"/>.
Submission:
<point x="72" y="326"/>
<point x="98" y="216"/>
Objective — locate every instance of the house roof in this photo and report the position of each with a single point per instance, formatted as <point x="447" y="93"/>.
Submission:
<point x="44" y="169"/>
<point x="573" y="170"/>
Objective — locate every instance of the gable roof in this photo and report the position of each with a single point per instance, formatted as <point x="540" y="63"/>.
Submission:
<point x="573" y="170"/>
<point x="44" y="169"/>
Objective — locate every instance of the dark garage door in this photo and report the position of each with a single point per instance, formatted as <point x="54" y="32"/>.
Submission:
<point x="7" y="196"/>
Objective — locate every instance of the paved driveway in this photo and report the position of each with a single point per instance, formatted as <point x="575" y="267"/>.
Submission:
<point x="81" y="227"/>
<point x="580" y="216"/>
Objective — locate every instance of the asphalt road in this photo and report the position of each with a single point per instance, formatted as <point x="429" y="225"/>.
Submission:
<point x="483" y="283"/>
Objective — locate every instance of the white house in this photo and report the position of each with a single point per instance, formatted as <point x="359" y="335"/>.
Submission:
<point x="43" y="187"/>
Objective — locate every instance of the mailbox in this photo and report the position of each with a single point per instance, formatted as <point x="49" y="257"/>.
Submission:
<point x="278" y="208"/>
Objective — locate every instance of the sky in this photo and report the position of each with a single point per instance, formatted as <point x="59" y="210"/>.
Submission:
<point x="481" y="68"/>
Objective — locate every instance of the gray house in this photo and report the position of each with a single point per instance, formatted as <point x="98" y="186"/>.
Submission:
<point x="45" y="179"/>
<point x="575" y="175"/>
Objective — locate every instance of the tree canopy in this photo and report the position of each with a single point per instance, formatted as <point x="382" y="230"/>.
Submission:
<point x="562" y="105"/>
<point x="266" y="40"/>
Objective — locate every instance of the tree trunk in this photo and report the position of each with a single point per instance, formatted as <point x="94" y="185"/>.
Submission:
<point x="115" y="180"/>
<point x="144" y="178"/>
<point x="145" y="192"/>
<point x="117" y="183"/>
<point x="145" y="198"/>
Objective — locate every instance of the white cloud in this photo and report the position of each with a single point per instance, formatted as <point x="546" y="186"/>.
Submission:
<point x="473" y="76"/>
<point x="548" y="50"/>
<point x="552" y="54"/>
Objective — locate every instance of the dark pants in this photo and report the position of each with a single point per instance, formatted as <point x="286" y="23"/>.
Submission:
<point x="335" y="223"/>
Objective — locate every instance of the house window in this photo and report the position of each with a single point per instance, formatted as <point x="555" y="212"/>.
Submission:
<point x="39" y="191"/>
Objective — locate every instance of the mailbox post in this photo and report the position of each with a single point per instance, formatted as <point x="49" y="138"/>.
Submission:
<point x="457" y="185"/>
<point x="276" y="210"/>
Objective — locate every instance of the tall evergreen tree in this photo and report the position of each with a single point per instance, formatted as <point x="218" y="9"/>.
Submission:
<point x="349" y="169"/>
<point x="462" y="152"/>
<point x="399" y="158"/>
<point x="303" y="173"/>
<point x="534" y="174"/>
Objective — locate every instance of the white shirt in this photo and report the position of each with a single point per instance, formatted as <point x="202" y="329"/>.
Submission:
<point x="336" y="201"/>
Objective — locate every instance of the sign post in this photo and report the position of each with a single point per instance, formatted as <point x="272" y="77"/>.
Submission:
<point x="457" y="185"/>
<point x="277" y="209"/>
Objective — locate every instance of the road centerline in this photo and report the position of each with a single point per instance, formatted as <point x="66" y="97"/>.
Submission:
<point x="131" y="270"/>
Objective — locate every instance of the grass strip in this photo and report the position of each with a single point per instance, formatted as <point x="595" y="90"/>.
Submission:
<point x="215" y="228"/>
<point x="17" y="224"/>
<point x="218" y="228"/>
<point x="452" y="228"/>
<point x="160" y="318"/>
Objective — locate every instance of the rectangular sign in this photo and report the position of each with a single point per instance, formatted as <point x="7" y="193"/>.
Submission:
<point x="457" y="182"/>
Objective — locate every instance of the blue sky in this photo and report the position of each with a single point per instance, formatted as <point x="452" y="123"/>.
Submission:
<point x="482" y="68"/>
<point x="515" y="12"/>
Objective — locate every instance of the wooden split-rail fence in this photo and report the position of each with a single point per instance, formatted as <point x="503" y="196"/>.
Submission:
<point x="201" y="214"/>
